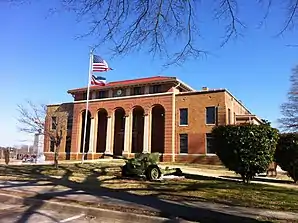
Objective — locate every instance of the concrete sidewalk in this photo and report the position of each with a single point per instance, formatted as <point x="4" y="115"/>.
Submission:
<point x="146" y="205"/>
<point x="18" y="209"/>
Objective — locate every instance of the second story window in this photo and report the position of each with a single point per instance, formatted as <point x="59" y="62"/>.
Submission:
<point x="54" y="122"/>
<point x="84" y="96"/>
<point x="183" y="116"/>
<point x="211" y="115"/>
<point x="101" y="94"/>
<point x="137" y="90"/>
<point x="155" y="89"/>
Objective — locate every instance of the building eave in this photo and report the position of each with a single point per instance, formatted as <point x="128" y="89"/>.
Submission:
<point x="137" y="82"/>
<point x="127" y="83"/>
<point x="201" y="92"/>
<point x="189" y="88"/>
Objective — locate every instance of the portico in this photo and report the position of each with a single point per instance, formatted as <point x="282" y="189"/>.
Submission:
<point x="124" y="133"/>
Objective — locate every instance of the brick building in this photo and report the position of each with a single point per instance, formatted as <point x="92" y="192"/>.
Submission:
<point x="155" y="114"/>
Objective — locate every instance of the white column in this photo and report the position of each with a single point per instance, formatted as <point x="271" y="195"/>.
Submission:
<point x="95" y="134"/>
<point x="146" y="134"/>
<point x="127" y="134"/>
<point x="109" y="135"/>
<point x="149" y="131"/>
<point x="91" y="137"/>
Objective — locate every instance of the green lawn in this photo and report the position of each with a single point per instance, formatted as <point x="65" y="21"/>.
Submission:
<point x="195" y="188"/>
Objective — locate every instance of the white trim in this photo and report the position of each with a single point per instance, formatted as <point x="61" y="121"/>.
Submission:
<point x="186" y="85"/>
<point x="183" y="125"/>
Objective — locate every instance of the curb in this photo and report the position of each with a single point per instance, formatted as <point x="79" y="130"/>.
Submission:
<point x="99" y="213"/>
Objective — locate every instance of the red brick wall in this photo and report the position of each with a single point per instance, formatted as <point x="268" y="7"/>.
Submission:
<point x="59" y="111"/>
<point x="202" y="159"/>
<point x="196" y="129"/>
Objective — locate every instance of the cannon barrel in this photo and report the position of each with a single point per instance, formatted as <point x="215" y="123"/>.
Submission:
<point x="151" y="157"/>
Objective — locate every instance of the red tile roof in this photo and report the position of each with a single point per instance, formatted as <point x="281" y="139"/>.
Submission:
<point x="141" y="80"/>
<point x="129" y="82"/>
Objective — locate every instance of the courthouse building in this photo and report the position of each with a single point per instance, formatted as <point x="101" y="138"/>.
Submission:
<point x="155" y="114"/>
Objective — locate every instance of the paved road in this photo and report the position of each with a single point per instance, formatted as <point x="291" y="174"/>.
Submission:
<point x="20" y="214"/>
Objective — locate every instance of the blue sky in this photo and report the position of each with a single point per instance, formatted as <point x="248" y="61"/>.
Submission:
<point x="41" y="59"/>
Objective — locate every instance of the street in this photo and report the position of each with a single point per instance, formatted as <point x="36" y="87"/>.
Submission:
<point x="20" y="214"/>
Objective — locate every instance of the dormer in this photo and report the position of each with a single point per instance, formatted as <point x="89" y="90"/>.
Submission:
<point x="141" y="86"/>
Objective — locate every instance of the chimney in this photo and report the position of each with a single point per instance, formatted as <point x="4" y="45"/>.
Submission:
<point x="205" y="89"/>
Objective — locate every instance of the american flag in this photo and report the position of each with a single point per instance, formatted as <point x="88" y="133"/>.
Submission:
<point x="99" y="64"/>
<point x="101" y="81"/>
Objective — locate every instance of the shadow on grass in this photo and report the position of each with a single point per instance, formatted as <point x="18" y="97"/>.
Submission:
<point x="121" y="196"/>
<point x="233" y="184"/>
<point x="268" y="180"/>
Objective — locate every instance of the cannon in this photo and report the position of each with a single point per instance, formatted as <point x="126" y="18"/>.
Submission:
<point x="146" y="164"/>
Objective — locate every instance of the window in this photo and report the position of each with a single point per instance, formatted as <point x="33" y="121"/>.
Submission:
<point x="52" y="146"/>
<point x="101" y="94"/>
<point x="84" y="96"/>
<point x="229" y="116"/>
<point x="183" y="143"/>
<point x="211" y="115"/>
<point x="69" y="122"/>
<point x="137" y="90"/>
<point x="54" y="123"/>
<point x="156" y="88"/>
<point x="209" y="147"/>
<point x="183" y="116"/>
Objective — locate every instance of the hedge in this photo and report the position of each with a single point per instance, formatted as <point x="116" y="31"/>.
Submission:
<point x="245" y="149"/>
<point x="286" y="154"/>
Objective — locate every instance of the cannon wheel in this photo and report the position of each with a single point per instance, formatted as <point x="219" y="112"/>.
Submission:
<point x="153" y="173"/>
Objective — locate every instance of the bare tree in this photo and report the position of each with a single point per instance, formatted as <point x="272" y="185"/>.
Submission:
<point x="32" y="119"/>
<point x="169" y="28"/>
<point x="289" y="110"/>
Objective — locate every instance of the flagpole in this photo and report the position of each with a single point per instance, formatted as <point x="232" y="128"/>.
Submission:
<point x="87" y="105"/>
